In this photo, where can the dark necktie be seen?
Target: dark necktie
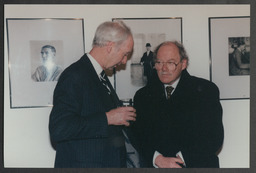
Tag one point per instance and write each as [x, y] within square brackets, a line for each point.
[105, 82]
[109, 89]
[169, 91]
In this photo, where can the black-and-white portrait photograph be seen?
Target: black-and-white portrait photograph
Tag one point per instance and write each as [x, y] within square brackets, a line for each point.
[230, 55]
[239, 56]
[46, 62]
[38, 53]
[136, 73]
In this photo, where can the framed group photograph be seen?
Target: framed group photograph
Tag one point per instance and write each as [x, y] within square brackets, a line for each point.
[148, 33]
[230, 56]
[38, 51]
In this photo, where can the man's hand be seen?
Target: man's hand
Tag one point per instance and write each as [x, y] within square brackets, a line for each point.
[168, 162]
[121, 116]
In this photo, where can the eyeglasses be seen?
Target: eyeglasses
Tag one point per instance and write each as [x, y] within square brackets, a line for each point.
[169, 65]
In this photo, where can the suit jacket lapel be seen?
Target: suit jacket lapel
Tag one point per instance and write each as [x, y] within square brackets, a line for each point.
[183, 85]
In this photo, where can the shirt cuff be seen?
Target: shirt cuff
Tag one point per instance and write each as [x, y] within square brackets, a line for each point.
[154, 158]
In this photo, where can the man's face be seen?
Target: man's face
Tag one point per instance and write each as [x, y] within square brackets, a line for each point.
[148, 48]
[120, 53]
[47, 54]
[169, 53]
[242, 47]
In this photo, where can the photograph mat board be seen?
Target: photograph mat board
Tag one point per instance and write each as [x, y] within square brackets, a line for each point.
[32, 34]
[221, 29]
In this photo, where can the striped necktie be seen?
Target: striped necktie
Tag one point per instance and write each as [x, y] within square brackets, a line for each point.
[103, 79]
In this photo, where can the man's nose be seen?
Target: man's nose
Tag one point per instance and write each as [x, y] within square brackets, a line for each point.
[43, 55]
[164, 67]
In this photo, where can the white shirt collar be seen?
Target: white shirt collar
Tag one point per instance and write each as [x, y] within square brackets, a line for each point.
[95, 64]
[174, 85]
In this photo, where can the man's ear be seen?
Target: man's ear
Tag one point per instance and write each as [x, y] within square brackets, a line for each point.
[110, 46]
[184, 64]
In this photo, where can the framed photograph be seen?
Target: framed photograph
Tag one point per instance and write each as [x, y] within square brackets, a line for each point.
[148, 33]
[230, 56]
[38, 51]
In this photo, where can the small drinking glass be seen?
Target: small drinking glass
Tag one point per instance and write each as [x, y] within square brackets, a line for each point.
[126, 102]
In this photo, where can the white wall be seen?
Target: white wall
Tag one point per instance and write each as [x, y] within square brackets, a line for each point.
[26, 136]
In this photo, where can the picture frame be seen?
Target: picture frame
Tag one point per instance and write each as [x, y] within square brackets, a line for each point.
[30, 49]
[134, 74]
[229, 39]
